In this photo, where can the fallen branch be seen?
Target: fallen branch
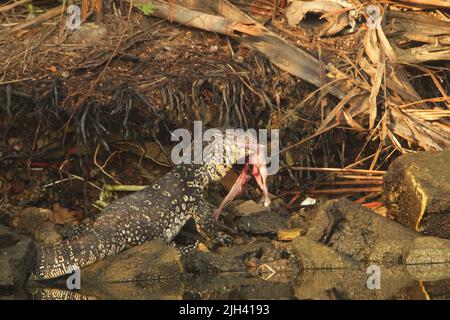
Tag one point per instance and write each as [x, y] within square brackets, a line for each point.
[425, 53]
[13, 5]
[39, 19]
[344, 190]
[337, 170]
[433, 3]
[232, 22]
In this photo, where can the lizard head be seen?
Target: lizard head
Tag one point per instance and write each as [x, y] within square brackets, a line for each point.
[235, 147]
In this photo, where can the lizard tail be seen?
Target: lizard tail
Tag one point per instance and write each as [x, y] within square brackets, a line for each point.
[63, 258]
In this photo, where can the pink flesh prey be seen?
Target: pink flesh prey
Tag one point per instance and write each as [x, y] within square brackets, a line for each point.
[259, 171]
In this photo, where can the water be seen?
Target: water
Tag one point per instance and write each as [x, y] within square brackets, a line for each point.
[419, 282]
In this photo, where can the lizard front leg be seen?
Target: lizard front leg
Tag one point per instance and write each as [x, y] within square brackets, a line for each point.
[203, 214]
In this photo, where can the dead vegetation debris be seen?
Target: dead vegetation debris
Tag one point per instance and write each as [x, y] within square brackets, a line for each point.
[350, 102]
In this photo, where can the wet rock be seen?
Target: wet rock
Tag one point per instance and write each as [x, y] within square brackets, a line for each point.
[351, 283]
[324, 223]
[362, 235]
[36, 222]
[151, 261]
[17, 257]
[417, 192]
[238, 258]
[149, 271]
[235, 286]
[298, 220]
[393, 281]
[262, 224]
[356, 232]
[389, 252]
[429, 272]
[317, 284]
[428, 250]
[314, 255]
[250, 207]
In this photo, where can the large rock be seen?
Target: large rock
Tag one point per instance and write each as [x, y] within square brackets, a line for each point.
[239, 258]
[151, 261]
[36, 222]
[262, 224]
[417, 192]
[351, 283]
[427, 250]
[314, 255]
[364, 236]
[17, 257]
[356, 232]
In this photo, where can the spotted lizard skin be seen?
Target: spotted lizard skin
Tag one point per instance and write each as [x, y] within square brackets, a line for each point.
[156, 212]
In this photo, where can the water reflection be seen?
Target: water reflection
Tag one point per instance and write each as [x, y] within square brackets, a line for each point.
[402, 282]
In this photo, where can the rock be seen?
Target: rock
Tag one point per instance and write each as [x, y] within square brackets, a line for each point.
[364, 236]
[234, 286]
[298, 220]
[417, 192]
[314, 255]
[238, 258]
[250, 207]
[389, 252]
[149, 271]
[5, 217]
[428, 250]
[324, 223]
[394, 280]
[288, 234]
[262, 224]
[429, 272]
[17, 258]
[317, 284]
[356, 232]
[36, 222]
[351, 283]
[150, 261]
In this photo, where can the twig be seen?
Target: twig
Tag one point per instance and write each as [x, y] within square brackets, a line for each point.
[10, 6]
[434, 3]
[344, 190]
[337, 170]
[71, 177]
[102, 167]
